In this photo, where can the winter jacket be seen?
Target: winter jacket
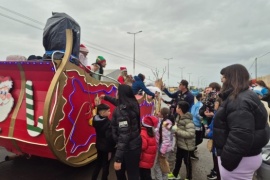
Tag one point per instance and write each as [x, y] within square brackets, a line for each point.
[167, 137]
[185, 132]
[126, 130]
[149, 150]
[139, 85]
[104, 141]
[179, 96]
[240, 128]
[195, 113]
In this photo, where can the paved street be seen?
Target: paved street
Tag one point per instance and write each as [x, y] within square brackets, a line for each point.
[41, 168]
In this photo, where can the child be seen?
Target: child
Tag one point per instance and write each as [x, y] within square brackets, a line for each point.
[104, 142]
[164, 138]
[149, 146]
[185, 135]
[198, 124]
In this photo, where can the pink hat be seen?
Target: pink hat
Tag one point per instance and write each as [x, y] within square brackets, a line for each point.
[123, 68]
[83, 48]
[150, 121]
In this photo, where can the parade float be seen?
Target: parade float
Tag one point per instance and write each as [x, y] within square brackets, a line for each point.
[46, 105]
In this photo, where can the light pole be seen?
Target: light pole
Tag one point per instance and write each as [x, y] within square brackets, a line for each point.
[181, 72]
[168, 68]
[134, 50]
[189, 77]
[256, 61]
[199, 80]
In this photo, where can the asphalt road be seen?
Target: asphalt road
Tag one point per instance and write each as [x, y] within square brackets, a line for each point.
[37, 168]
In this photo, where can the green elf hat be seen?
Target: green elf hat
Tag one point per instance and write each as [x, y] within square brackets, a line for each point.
[100, 59]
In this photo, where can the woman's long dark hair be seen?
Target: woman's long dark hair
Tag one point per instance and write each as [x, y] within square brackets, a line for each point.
[126, 97]
[236, 79]
[150, 131]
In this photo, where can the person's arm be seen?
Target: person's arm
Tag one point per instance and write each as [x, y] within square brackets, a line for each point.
[147, 91]
[171, 95]
[144, 143]
[112, 100]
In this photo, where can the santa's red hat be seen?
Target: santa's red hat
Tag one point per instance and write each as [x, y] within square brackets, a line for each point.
[123, 69]
[150, 121]
[83, 48]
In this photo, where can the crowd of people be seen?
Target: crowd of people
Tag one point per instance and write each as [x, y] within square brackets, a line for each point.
[233, 117]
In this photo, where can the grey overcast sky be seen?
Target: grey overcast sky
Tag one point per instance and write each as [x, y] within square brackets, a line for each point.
[202, 36]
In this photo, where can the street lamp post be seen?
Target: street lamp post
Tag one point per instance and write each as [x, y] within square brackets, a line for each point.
[181, 72]
[134, 50]
[168, 68]
[189, 77]
[256, 61]
[199, 80]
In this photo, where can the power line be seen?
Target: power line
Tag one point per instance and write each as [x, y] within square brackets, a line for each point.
[21, 15]
[20, 21]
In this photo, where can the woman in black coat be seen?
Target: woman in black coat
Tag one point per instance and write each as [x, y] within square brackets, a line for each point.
[126, 133]
[240, 126]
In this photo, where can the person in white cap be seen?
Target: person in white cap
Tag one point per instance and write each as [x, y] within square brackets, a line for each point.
[83, 55]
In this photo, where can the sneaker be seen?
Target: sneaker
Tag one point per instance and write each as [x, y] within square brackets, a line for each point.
[194, 158]
[171, 176]
[212, 175]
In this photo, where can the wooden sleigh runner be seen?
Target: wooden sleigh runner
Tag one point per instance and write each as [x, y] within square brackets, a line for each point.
[46, 107]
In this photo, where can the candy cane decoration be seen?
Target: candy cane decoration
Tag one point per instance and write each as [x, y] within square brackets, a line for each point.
[31, 128]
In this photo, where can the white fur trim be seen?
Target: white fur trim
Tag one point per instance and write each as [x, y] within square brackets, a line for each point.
[6, 84]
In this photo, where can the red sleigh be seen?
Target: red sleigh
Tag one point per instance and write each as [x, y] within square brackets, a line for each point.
[52, 103]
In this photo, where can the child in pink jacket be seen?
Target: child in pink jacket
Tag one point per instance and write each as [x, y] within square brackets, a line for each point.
[164, 138]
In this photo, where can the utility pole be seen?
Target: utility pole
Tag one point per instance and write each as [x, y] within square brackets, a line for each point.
[134, 50]
[189, 77]
[168, 68]
[181, 72]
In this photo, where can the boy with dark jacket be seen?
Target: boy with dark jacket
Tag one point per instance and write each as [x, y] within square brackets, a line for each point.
[104, 142]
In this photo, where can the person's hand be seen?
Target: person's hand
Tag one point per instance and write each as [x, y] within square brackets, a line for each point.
[174, 128]
[102, 96]
[207, 131]
[163, 87]
[109, 156]
[208, 114]
[117, 166]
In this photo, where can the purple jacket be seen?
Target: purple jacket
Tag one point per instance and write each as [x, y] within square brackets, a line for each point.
[167, 137]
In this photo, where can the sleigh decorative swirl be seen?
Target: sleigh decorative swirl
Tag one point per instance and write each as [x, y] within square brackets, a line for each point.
[45, 107]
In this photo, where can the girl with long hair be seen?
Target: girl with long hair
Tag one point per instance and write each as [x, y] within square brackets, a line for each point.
[240, 126]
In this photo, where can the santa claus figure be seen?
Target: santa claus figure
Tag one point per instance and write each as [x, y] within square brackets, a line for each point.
[6, 99]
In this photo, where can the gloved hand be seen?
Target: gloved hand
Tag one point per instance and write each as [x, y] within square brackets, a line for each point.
[174, 128]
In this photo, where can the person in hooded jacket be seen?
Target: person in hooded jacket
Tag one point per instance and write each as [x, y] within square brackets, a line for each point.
[126, 128]
[240, 126]
[104, 143]
[138, 85]
[149, 146]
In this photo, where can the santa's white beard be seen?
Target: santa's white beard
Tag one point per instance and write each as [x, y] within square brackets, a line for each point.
[5, 108]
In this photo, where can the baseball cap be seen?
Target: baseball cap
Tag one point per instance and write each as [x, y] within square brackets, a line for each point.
[184, 82]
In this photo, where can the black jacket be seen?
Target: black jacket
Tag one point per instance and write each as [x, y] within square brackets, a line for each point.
[126, 130]
[104, 140]
[240, 128]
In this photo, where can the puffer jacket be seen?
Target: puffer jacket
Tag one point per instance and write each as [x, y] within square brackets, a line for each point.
[167, 137]
[149, 150]
[240, 128]
[126, 130]
[104, 141]
[185, 132]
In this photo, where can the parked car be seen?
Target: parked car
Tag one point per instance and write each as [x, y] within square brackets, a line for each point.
[263, 173]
